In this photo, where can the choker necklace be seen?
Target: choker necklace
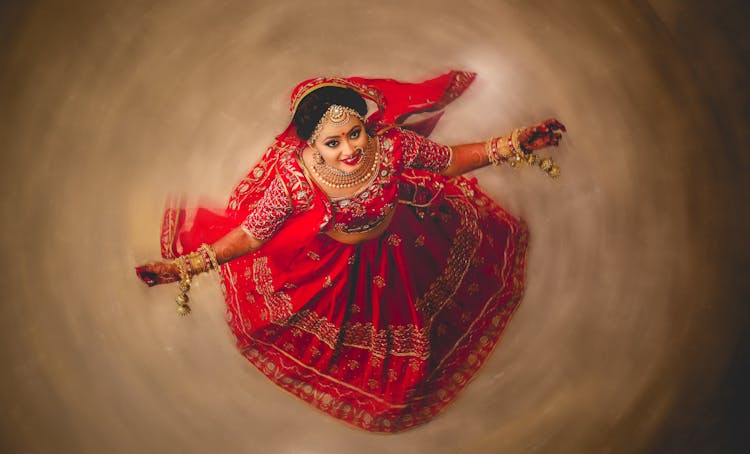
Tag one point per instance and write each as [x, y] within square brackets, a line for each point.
[337, 178]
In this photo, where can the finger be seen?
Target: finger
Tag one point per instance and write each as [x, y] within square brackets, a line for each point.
[551, 124]
[147, 277]
[557, 125]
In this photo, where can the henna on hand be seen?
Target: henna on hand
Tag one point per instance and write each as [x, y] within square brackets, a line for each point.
[545, 134]
[155, 273]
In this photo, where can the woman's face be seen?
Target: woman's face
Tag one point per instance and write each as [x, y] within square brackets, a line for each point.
[342, 146]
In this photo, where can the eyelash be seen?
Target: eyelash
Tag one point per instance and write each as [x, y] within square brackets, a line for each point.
[335, 143]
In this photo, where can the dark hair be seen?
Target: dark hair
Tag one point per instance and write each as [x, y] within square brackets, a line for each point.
[314, 105]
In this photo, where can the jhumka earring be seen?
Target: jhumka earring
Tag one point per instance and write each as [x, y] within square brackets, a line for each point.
[318, 158]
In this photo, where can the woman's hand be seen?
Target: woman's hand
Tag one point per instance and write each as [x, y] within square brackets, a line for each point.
[155, 273]
[545, 134]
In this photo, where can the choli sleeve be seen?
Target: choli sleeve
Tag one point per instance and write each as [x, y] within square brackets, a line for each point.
[269, 213]
[422, 153]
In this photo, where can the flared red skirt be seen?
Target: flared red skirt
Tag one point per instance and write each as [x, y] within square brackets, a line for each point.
[384, 334]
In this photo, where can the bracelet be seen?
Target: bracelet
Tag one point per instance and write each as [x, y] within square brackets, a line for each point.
[209, 256]
[199, 261]
[493, 152]
[517, 155]
[183, 287]
[488, 149]
[450, 162]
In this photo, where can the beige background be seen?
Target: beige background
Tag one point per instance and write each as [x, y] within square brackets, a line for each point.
[631, 338]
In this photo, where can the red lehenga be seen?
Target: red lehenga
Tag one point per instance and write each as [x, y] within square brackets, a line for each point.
[385, 333]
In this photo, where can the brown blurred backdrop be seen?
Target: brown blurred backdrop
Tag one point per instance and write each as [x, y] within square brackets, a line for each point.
[633, 335]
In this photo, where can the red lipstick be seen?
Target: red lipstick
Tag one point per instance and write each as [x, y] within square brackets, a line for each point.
[353, 160]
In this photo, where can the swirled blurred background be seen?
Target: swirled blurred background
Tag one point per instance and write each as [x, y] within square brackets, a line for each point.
[632, 337]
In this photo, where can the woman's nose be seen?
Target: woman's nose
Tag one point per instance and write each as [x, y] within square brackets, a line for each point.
[348, 147]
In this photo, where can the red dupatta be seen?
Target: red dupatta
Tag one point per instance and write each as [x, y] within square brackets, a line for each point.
[395, 101]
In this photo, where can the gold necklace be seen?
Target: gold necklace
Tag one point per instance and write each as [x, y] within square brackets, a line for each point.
[336, 178]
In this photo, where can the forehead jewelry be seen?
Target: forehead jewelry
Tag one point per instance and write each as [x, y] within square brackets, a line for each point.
[337, 116]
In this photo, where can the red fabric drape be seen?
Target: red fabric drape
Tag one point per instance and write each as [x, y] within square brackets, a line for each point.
[395, 100]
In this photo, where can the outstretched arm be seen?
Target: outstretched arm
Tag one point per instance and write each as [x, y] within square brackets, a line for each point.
[472, 156]
[261, 224]
[232, 245]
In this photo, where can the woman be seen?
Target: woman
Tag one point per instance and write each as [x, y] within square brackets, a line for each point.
[361, 272]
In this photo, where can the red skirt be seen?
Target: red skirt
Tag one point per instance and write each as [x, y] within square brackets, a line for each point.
[384, 334]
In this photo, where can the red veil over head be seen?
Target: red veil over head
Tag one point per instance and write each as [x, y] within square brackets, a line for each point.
[395, 102]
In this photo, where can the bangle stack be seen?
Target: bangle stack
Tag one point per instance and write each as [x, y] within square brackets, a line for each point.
[509, 149]
[199, 261]
[492, 147]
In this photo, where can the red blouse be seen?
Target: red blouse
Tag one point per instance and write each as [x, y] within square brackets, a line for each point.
[399, 149]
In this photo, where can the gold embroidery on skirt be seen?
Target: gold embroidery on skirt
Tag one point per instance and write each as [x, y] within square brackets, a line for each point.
[378, 281]
[279, 304]
[401, 340]
[465, 245]
[394, 239]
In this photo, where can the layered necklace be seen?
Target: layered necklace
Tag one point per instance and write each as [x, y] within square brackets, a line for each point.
[336, 178]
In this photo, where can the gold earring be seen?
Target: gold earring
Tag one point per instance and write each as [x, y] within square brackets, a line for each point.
[318, 158]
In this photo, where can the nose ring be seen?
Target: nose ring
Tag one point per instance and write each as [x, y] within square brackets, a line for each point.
[359, 149]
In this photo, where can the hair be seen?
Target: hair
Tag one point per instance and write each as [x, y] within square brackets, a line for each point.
[312, 107]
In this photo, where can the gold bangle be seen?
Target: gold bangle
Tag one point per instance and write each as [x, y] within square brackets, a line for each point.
[493, 155]
[503, 148]
[514, 154]
[488, 152]
[450, 161]
[197, 263]
[210, 252]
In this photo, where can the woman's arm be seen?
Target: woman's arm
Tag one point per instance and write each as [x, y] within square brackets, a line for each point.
[268, 216]
[235, 244]
[231, 246]
[472, 156]
[466, 157]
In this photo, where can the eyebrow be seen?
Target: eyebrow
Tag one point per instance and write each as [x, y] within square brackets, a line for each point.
[336, 136]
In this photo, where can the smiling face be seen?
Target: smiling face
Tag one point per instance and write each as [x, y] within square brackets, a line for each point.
[342, 146]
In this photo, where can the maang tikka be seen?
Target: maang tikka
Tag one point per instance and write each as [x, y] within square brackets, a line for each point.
[337, 116]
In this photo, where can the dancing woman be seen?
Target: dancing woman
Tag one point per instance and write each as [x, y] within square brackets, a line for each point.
[361, 272]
